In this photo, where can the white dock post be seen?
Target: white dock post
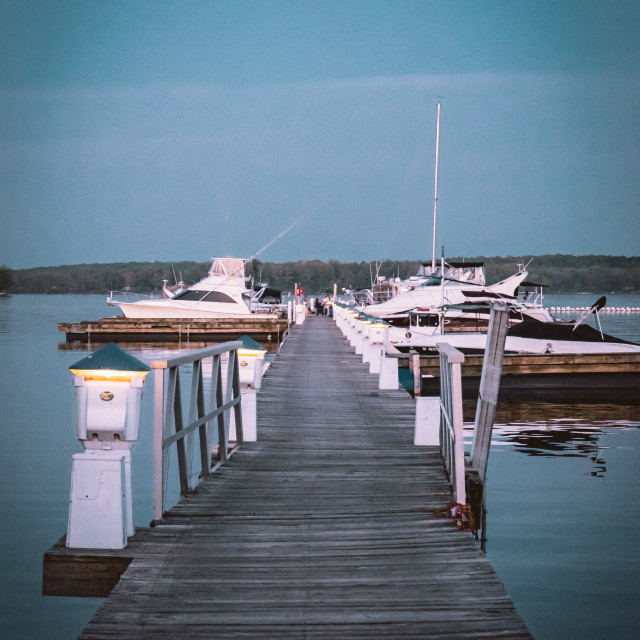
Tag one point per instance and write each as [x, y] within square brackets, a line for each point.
[414, 367]
[251, 367]
[99, 507]
[249, 414]
[388, 373]
[353, 321]
[361, 327]
[427, 422]
[366, 343]
[301, 311]
[378, 334]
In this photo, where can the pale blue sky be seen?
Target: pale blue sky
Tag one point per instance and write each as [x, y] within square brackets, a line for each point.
[181, 130]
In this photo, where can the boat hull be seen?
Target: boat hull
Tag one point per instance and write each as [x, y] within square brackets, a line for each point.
[183, 311]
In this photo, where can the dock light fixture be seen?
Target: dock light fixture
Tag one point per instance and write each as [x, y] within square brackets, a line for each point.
[109, 385]
[108, 389]
[251, 359]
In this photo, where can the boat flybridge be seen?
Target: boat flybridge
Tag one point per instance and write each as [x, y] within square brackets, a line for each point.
[222, 294]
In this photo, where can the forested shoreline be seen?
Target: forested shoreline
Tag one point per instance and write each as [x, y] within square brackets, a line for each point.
[561, 273]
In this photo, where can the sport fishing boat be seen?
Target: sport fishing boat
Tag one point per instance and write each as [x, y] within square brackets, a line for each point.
[222, 294]
[530, 336]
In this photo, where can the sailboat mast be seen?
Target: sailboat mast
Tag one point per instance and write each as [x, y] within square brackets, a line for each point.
[435, 196]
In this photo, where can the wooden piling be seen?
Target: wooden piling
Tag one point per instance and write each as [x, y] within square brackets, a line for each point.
[489, 388]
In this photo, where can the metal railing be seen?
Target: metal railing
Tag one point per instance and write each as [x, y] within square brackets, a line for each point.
[451, 425]
[205, 414]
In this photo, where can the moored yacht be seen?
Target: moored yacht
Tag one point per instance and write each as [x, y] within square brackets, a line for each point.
[530, 336]
[438, 291]
[222, 294]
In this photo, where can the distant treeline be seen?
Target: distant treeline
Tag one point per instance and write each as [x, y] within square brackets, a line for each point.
[562, 274]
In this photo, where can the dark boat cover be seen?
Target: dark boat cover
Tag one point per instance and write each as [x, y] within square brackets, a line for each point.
[532, 328]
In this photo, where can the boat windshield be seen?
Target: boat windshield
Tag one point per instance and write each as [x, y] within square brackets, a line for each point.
[204, 296]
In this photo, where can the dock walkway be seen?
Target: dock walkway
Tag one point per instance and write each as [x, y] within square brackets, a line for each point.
[322, 529]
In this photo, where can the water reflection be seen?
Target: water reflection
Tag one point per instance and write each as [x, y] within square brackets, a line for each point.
[570, 430]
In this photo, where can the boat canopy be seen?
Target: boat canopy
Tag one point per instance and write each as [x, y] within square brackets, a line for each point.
[461, 271]
[228, 267]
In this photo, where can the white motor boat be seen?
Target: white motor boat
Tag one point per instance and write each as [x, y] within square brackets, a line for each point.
[530, 336]
[472, 316]
[222, 294]
[438, 291]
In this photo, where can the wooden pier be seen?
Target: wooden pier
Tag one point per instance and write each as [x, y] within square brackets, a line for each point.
[121, 329]
[324, 528]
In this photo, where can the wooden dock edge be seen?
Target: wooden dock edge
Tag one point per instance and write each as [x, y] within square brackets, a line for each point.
[123, 329]
[87, 573]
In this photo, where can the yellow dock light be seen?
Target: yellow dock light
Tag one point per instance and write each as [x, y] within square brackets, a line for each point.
[109, 385]
[251, 360]
[378, 331]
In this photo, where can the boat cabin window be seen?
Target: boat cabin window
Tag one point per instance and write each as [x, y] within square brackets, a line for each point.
[217, 296]
[427, 320]
[209, 296]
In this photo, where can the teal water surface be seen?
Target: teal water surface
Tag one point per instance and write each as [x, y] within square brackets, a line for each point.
[563, 487]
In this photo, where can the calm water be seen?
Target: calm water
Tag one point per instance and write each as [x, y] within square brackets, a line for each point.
[563, 493]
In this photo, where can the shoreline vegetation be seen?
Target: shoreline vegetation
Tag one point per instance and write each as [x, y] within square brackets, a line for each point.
[561, 273]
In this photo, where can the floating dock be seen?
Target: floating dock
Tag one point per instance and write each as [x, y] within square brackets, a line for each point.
[121, 329]
[326, 527]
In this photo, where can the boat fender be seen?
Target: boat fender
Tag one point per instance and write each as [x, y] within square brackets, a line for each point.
[408, 334]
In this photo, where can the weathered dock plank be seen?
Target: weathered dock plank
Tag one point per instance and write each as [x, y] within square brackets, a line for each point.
[322, 529]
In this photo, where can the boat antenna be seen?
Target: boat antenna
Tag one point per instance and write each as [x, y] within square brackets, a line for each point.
[266, 246]
[435, 196]
[275, 239]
